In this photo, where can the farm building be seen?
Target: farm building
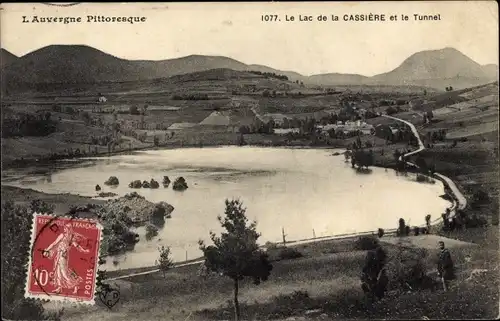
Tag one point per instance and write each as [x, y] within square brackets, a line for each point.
[181, 126]
[349, 127]
[232, 120]
[217, 118]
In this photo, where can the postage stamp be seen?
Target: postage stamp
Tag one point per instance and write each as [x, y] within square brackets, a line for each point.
[64, 258]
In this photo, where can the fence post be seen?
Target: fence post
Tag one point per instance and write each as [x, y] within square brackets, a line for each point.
[284, 236]
[314, 234]
[186, 255]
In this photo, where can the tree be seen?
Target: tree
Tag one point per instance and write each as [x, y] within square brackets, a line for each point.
[235, 252]
[165, 263]
[16, 222]
[373, 277]
[134, 110]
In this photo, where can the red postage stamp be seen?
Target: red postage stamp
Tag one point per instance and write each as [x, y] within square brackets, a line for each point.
[64, 257]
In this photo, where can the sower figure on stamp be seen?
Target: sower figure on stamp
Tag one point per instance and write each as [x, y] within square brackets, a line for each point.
[445, 266]
[64, 276]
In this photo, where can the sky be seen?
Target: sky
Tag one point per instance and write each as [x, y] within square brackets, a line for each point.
[236, 30]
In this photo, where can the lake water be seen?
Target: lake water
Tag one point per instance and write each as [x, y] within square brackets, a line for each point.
[304, 191]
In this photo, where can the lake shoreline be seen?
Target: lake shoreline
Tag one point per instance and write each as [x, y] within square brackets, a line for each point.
[30, 194]
[46, 159]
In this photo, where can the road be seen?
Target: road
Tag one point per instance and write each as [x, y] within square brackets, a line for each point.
[461, 204]
[461, 200]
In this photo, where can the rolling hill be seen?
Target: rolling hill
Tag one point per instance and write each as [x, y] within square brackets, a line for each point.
[6, 58]
[79, 64]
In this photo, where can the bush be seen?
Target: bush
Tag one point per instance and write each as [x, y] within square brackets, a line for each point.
[151, 231]
[409, 268]
[166, 181]
[366, 243]
[288, 253]
[416, 230]
[391, 110]
[154, 184]
[112, 180]
[380, 232]
[16, 222]
[135, 184]
[180, 184]
[295, 299]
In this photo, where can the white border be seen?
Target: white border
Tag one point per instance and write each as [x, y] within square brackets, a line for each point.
[61, 298]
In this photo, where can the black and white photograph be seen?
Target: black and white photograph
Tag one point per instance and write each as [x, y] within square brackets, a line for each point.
[198, 161]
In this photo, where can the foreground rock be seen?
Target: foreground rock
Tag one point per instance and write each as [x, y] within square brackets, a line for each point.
[166, 181]
[139, 210]
[112, 180]
[180, 184]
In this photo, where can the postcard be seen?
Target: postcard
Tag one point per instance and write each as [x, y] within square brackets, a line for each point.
[250, 160]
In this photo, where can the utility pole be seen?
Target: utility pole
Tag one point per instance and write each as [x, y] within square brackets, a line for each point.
[284, 236]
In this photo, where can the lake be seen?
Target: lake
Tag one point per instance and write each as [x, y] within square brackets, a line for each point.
[304, 191]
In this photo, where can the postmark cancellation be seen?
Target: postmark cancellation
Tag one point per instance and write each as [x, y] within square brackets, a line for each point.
[63, 259]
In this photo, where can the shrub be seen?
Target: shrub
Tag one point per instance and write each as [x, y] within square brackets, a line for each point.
[409, 268]
[180, 184]
[135, 184]
[401, 228]
[288, 253]
[112, 180]
[416, 230]
[380, 232]
[295, 299]
[151, 231]
[366, 243]
[16, 222]
[154, 184]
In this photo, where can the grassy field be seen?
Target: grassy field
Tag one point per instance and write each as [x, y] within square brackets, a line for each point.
[325, 278]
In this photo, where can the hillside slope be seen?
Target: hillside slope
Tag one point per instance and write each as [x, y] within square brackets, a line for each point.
[438, 68]
[79, 64]
[6, 58]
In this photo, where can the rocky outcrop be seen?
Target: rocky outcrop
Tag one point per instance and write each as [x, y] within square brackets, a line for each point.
[161, 211]
[180, 184]
[112, 180]
[154, 184]
[107, 194]
[135, 184]
[145, 184]
[139, 210]
[166, 181]
[97, 188]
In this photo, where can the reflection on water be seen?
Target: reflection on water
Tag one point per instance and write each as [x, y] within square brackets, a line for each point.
[300, 190]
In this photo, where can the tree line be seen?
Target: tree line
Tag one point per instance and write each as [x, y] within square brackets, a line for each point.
[270, 74]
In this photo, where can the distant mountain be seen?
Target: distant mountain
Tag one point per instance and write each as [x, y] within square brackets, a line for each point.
[76, 64]
[437, 68]
[491, 70]
[6, 58]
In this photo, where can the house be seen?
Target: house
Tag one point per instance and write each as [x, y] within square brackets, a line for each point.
[349, 127]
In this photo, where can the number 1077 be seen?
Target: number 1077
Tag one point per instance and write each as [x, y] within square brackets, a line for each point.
[269, 17]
